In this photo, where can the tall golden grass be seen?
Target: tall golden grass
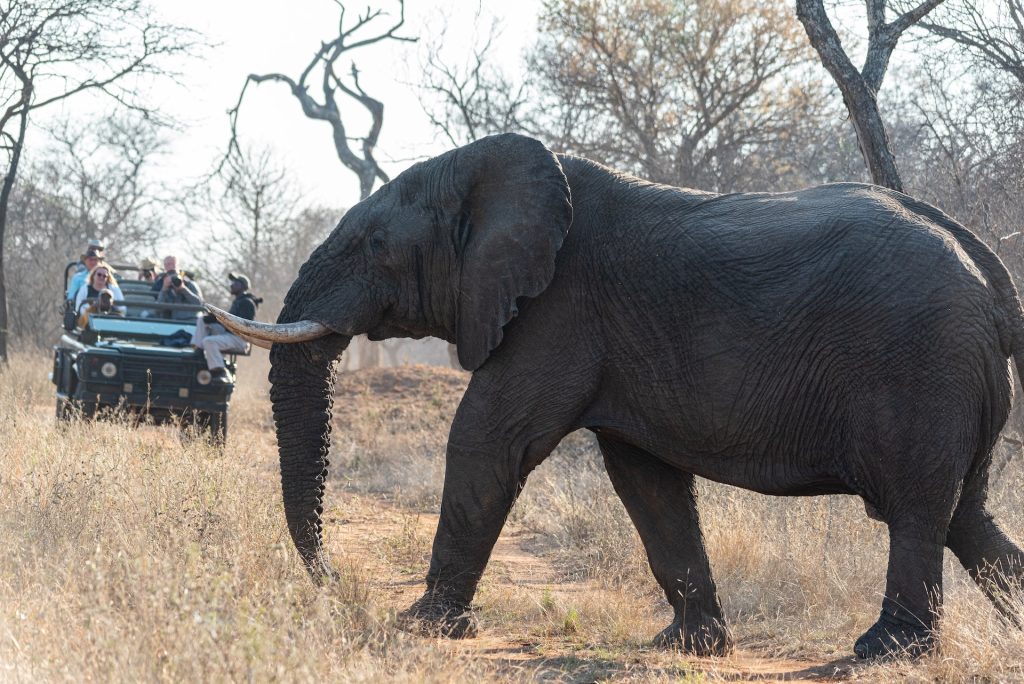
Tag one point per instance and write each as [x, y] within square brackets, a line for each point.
[129, 554]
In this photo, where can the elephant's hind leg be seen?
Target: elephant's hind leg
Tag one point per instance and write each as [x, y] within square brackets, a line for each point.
[661, 502]
[994, 562]
[913, 592]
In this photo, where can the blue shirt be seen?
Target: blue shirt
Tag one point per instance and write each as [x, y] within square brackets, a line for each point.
[76, 282]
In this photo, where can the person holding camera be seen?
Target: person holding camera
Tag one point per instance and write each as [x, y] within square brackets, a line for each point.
[214, 339]
[177, 288]
[104, 305]
[164, 280]
[147, 270]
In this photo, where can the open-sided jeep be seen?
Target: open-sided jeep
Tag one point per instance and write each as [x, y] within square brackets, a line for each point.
[140, 363]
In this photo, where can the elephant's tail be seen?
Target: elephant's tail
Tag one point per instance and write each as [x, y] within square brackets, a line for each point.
[1009, 313]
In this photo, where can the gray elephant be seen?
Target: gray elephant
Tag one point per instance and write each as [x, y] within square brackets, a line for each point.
[843, 339]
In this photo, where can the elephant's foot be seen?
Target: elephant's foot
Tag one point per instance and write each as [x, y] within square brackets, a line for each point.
[888, 638]
[434, 616]
[708, 638]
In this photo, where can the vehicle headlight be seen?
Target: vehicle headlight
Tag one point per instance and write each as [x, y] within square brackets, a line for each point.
[108, 369]
[204, 377]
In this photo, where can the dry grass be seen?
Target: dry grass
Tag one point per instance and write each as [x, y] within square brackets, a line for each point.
[129, 555]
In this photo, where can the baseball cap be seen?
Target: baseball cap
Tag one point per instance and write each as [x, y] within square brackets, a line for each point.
[243, 279]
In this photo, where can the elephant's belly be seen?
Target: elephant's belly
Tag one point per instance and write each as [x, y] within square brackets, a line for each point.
[789, 473]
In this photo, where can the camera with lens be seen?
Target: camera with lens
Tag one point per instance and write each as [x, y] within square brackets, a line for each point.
[176, 280]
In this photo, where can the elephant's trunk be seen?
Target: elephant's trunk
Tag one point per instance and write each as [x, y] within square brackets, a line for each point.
[302, 392]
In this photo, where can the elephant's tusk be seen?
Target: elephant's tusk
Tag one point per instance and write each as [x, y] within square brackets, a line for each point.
[285, 333]
[256, 341]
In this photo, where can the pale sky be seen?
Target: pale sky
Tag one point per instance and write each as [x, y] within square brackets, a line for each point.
[260, 36]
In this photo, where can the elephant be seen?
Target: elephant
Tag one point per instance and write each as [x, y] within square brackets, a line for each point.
[841, 339]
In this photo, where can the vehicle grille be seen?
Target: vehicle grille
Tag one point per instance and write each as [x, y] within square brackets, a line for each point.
[143, 374]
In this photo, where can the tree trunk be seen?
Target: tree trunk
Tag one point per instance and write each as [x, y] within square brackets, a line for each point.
[871, 135]
[858, 89]
[5, 200]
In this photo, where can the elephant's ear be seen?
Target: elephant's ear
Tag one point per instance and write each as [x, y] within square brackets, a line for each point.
[515, 214]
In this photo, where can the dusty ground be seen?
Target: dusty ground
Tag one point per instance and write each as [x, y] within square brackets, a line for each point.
[366, 533]
[129, 554]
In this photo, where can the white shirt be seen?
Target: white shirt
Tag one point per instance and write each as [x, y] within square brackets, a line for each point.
[81, 304]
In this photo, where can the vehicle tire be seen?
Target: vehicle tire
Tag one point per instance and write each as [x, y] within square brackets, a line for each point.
[87, 409]
[70, 409]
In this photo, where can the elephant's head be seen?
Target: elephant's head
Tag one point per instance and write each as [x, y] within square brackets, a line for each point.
[445, 250]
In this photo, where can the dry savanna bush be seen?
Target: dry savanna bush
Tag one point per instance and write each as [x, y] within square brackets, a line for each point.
[130, 554]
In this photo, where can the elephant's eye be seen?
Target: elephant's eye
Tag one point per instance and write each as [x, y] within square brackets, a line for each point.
[378, 243]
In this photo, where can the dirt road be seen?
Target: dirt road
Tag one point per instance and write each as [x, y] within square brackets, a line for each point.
[390, 548]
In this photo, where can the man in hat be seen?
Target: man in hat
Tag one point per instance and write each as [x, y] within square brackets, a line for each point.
[92, 245]
[147, 270]
[89, 261]
[214, 339]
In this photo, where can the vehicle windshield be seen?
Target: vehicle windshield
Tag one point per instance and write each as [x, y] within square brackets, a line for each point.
[116, 326]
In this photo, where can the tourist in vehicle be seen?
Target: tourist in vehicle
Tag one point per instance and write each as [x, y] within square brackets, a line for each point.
[147, 270]
[176, 290]
[104, 305]
[214, 339]
[101, 277]
[164, 280]
[93, 245]
[89, 261]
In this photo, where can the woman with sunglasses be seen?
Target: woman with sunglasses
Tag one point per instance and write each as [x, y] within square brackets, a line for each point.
[101, 277]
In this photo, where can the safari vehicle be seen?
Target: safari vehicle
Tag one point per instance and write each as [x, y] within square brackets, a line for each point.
[140, 363]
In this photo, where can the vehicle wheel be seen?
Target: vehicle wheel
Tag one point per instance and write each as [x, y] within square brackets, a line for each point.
[87, 409]
[69, 409]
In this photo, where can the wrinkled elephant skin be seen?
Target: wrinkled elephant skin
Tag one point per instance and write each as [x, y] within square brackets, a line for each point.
[843, 339]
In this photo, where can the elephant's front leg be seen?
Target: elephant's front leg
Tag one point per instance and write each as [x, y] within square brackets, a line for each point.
[480, 487]
[661, 501]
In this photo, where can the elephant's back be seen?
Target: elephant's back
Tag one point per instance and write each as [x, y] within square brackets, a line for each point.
[766, 299]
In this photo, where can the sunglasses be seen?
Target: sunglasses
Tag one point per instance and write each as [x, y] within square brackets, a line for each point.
[100, 274]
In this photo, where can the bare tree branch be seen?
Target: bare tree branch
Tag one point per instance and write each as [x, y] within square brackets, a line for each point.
[860, 88]
[348, 39]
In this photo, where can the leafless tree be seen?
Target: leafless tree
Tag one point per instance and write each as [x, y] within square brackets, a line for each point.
[994, 32]
[93, 180]
[468, 96]
[323, 69]
[680, 93]
[51, 50]
[264, 229]
[255, 205]
[860, 86]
